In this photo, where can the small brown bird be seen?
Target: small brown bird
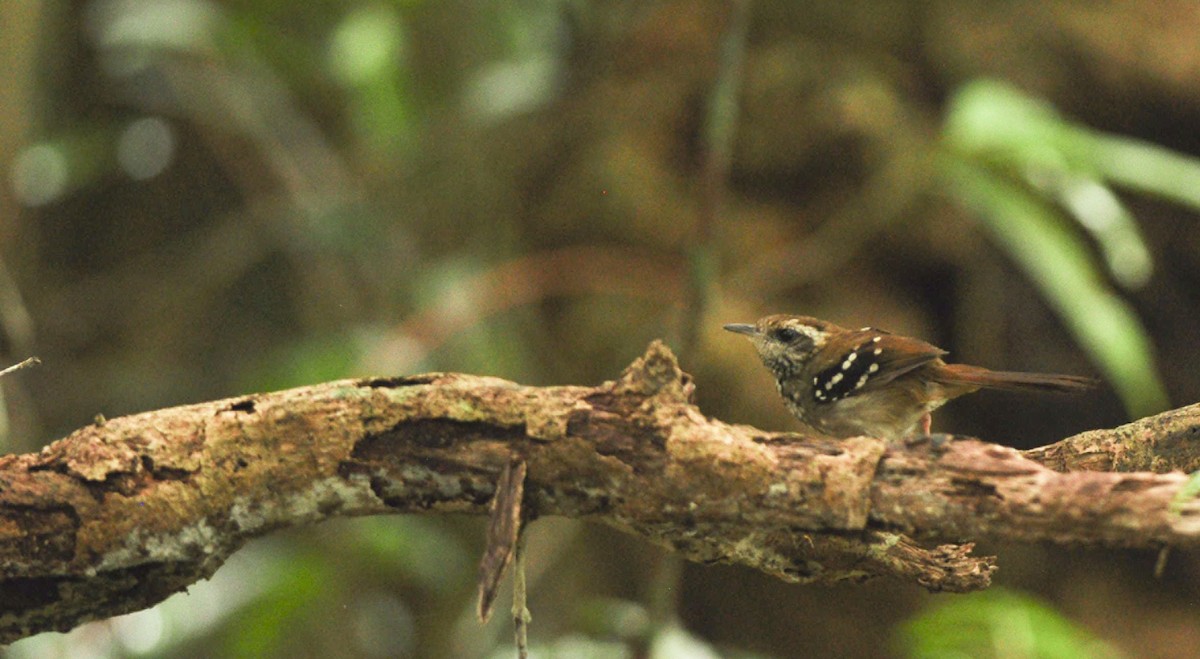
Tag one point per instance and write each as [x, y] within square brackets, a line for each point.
[845, 383]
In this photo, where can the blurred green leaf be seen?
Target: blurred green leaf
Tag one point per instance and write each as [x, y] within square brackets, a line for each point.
[1098, 209]
[1185, 495]
[421, 548]
[311, 360]
[613, 618]
[263, 626]
[1025, 170]
[997, 623]
[675, 642]
[366, 54]
[997, 119]
[995, 123]
[1145, 167]
[1058, 261]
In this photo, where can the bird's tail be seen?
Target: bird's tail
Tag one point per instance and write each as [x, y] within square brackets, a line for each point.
[976, 376]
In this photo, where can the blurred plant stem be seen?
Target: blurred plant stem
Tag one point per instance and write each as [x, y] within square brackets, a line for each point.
[718, 136]
[520, 608]
[719, 131]
[664, 590]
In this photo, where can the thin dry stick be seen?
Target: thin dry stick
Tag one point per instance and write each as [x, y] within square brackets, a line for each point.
[32, 361]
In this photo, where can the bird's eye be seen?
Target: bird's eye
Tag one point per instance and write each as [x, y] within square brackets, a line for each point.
[786, 334]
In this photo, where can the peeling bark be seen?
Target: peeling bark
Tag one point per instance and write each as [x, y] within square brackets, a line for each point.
[120, 514]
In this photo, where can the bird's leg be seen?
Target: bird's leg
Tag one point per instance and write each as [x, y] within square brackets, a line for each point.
[923, 436]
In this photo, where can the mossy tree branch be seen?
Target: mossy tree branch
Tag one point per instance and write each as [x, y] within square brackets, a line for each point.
[122, 513]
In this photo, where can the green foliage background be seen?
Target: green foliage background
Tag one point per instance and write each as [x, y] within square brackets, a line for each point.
[205, 199]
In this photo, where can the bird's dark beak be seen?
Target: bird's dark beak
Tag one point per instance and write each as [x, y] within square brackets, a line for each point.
[742, 328]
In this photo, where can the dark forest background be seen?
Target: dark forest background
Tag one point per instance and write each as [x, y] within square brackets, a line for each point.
[202, 199]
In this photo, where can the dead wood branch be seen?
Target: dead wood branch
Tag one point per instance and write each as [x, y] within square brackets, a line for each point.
[121, 514]
[1161, 443]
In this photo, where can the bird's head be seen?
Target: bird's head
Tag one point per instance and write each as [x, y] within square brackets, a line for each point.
[785, 343]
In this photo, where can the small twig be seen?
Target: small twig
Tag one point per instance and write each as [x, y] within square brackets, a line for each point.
[32, 361]
[520, 611]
